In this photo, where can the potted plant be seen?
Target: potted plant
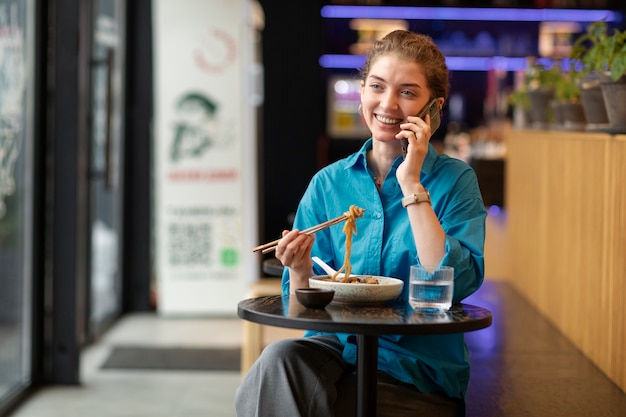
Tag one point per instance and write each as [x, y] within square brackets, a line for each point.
[536, 93]
[602, 55]
[585, 52]
[613, 80]
[567, 105]
[518, 100]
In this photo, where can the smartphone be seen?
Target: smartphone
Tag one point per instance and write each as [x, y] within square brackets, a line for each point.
[431, 108]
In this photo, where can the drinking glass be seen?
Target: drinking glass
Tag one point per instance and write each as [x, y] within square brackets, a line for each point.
[431, 288]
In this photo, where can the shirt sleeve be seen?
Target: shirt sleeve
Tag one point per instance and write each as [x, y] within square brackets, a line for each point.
[462, 214]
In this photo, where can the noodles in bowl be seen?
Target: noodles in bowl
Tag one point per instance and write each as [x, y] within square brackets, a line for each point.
[356, 289]
[385, 289]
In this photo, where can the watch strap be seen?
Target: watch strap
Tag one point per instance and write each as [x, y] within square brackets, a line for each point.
[416, 199]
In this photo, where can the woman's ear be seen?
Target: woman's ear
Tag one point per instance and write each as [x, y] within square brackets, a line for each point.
[440, 101]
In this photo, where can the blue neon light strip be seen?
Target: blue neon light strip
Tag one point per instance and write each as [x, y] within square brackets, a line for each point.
[470, 13]
[455, 63]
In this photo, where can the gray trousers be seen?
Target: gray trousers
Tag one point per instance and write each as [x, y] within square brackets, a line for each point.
[306, 377]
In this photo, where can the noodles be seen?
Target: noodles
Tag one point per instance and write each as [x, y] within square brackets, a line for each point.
[349, 228]
[354, 279]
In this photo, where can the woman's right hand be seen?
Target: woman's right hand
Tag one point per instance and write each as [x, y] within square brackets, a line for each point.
[294, 251]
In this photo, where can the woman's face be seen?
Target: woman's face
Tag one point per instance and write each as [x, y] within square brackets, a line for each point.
[394, 89]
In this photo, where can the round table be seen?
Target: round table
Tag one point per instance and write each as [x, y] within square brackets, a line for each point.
[367, 322]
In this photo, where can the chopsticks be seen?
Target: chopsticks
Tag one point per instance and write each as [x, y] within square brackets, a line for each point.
[270, 246]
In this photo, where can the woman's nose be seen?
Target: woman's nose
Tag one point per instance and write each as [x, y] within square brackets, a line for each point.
[389, 101]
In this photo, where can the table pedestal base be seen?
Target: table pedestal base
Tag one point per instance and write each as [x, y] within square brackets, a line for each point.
[367, 375]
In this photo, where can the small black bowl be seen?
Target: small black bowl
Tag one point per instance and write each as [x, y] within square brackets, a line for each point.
[314, 297]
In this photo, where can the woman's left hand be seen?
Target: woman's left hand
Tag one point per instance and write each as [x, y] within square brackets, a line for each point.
[417, 132]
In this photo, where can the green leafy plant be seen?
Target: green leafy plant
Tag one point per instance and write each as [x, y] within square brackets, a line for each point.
[519, 98]
[537, 77]
[599, 51]
[567, 87]
[540, 77]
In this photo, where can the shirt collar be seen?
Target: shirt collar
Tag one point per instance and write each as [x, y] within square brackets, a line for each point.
[359, 158]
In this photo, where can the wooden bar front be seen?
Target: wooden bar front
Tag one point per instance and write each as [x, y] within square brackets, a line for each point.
[566, 202]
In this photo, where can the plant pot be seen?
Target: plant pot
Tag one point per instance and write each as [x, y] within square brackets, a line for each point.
[540, 111]
[573, 116]
[614, 93]
[555, 108]
[593, 105]
[569, 115]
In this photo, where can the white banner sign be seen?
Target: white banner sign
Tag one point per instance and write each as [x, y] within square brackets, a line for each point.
[205, 156]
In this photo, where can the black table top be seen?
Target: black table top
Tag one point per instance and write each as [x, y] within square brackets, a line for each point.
[392, 318]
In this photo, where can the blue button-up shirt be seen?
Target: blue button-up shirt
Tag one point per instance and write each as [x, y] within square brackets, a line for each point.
[384, 246]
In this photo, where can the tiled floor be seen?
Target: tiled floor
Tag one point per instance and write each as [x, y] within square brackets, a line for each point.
[521, 367]
[114, 393]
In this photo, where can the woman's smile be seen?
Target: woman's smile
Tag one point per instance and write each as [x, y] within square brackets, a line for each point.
[387, 120]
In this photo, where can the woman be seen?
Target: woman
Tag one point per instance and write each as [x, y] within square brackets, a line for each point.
[423, 208]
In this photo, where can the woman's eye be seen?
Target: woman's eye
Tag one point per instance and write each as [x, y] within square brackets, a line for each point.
[375, 86]
[407, 93]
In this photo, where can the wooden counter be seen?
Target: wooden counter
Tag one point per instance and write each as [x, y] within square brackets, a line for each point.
[566, 200]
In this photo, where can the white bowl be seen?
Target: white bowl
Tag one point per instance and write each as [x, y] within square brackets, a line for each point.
[359, 293]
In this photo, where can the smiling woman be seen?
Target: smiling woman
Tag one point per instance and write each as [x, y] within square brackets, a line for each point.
[401, 74]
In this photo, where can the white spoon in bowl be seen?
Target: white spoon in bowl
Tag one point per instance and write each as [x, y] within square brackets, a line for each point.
[327, 268]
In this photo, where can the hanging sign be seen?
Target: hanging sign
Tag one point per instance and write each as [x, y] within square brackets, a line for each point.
[205, 156]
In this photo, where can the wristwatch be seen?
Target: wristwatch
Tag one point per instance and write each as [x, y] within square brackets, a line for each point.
[416, 198]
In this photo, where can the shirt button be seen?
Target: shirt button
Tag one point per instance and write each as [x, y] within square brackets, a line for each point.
[379, 216]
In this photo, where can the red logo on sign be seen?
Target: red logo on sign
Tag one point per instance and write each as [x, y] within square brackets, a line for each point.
[217, 52]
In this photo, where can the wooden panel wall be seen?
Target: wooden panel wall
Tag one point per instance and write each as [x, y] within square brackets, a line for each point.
[618, 357]
[566, 200]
